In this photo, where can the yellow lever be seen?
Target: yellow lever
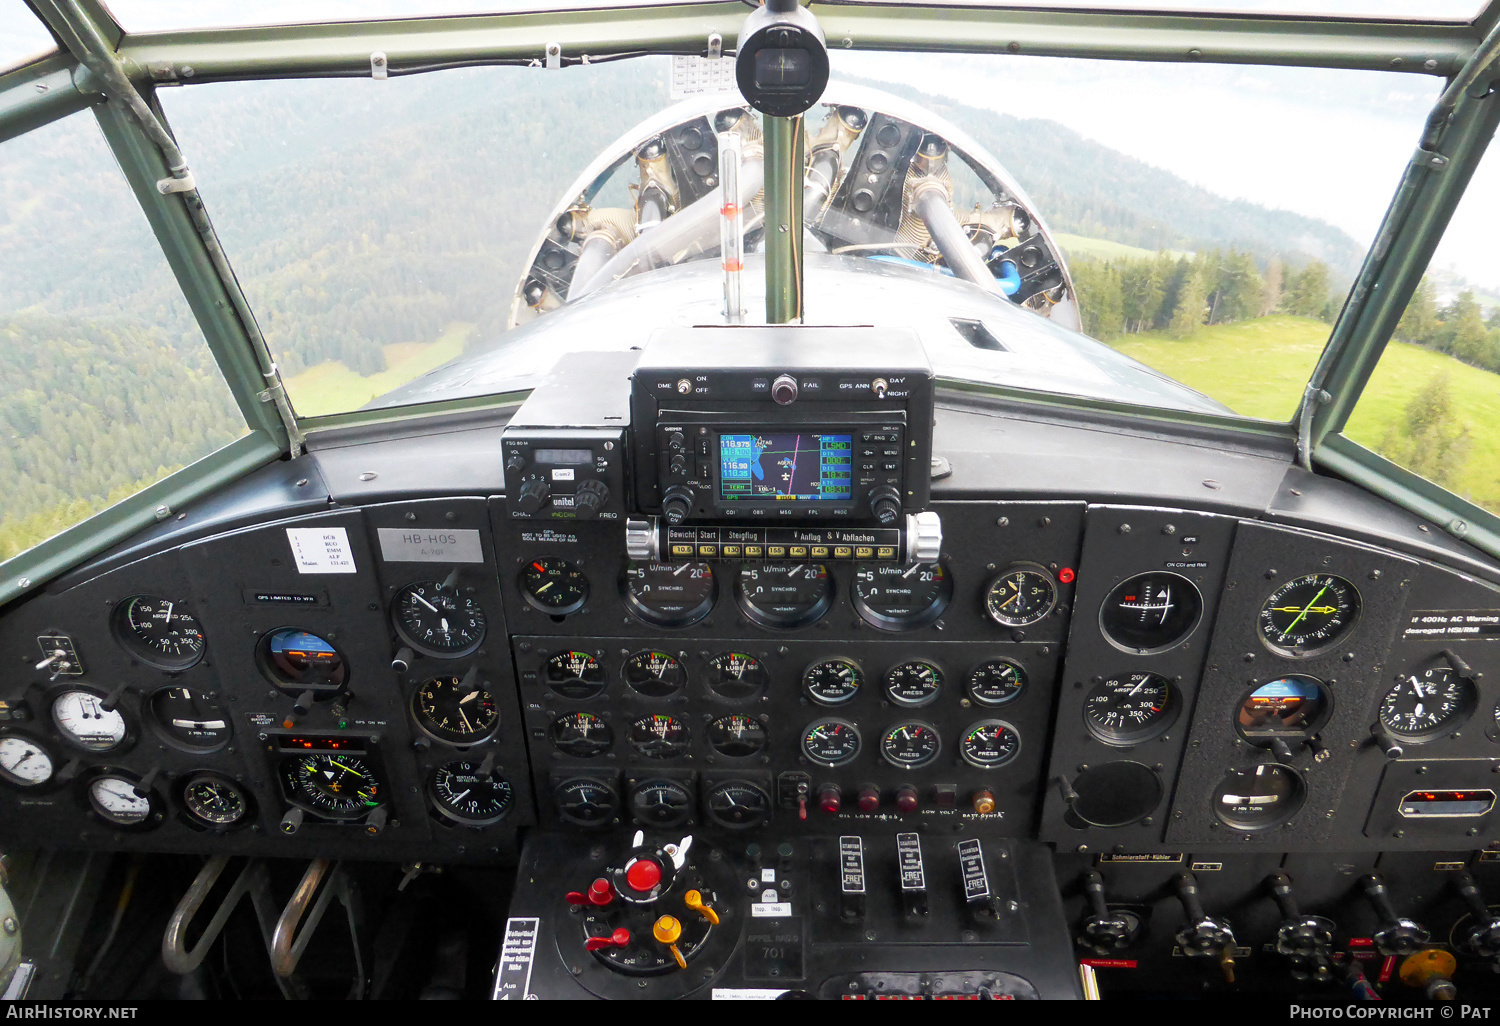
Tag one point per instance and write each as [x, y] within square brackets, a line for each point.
[694, 901]
[667, 930]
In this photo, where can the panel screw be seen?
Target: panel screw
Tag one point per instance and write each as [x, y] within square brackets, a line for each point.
[1124, 528]
[368, 475]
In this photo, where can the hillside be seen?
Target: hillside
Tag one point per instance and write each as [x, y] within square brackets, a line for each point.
[1258, 368]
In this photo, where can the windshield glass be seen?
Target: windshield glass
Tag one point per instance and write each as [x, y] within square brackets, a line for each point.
[452, 234]
[22, 34]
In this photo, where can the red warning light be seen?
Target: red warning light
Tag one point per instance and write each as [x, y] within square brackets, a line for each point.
[1065, 575]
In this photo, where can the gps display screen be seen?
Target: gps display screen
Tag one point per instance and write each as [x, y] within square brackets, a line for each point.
[785, 466]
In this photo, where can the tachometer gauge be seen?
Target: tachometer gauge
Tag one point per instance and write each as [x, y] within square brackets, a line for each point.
[989, 744]
[1426, 705]
[297, 661]
[1308, 614]
[1130, 708]
[1151, 612]
[332, 784]
[159, 631]
[24, 762]
[82, 720]
[553, 585]
[188, 718]
[784, 595]
[669, 594]
[661, 803]
[739, 804]
[901, 598]
[585, 802]
[437, 621]
[915, 683]
[831, 742]
[462, 793]
[737, 676]
[213, 802]
[455, 710]
[997, 682]
[737, 736]
[575, 675]
[582, 735]
[910, 744]
[833, 681]
[654, 674]
[113, 798]
[1255, 799]
[660, 736]
[1294, 706]
[1023, 594]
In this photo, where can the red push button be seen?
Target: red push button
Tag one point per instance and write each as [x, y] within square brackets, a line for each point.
[906, 799]
[829, 799]
[600, 892]
[643, 874]
[869, 799]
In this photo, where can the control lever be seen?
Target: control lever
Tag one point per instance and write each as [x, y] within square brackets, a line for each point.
[1460, 667]
[143, 788]
[1204, 936]
[1396, 936]
[1482, 938]
[1306, 942]
[667, 930]
[1392, 748]
[450, 583]
[112, 700]
[619, 939]
[1104, 931]
[402, 661]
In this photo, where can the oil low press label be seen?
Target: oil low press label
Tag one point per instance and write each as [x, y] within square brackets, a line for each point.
[1478, 624]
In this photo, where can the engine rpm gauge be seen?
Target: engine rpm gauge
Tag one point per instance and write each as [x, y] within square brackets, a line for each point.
[739, 804]
[437, 621]
[910, 744]
[997, 682]
[1423, 706]
[1308, 614]
[1023, 594]
[24, 762]
[737, 676]
[159, 631]
[784, 595]
[654, 674]
[457, 710]
[575, 675]
[553, 585]
[901, 598]
[1151, 612]
[659, 736]
[915, 683]
[212, 801]
[464, 793]
[989, 744]
[1130, 708]
[737, 736]
[831, 742]
[582, 735]
[833, 681]
[82, 720]
[669, 594]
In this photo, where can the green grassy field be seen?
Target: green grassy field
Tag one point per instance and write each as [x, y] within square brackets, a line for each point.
[1103, 249]
[1258, 368]
[333, 388]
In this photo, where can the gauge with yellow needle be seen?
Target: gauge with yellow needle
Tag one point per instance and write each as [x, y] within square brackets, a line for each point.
[332, 784]
[1309, 614]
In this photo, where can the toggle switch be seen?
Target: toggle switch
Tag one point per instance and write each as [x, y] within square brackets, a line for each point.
[694, 900]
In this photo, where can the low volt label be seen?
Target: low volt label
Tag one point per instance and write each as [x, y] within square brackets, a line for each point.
[971, 865]
[909, 859]
[517, 953]
[852, 864]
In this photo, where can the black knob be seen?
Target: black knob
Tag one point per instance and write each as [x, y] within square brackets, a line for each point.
[1396, 936]
[885, 505]
[1482, 937]
[590, 498]
[784, 390]
[1105, 930]
[532, 494]
[403, 660]
[677, 504]
[675, 441]
[515, 462]
[678, 465]
[1387, 744]
[1203, 934]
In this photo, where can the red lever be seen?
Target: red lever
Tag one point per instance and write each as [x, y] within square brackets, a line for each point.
[619, 939]
[577, 898]
[600, 892]
[643, 874]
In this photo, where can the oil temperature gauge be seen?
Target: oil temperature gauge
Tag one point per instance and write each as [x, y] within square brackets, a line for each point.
[737, 676]
[582, 735]
[737, 736]
[659, 737]
[910, 744]
[990, 744]
[654, 674]
[575, 675]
